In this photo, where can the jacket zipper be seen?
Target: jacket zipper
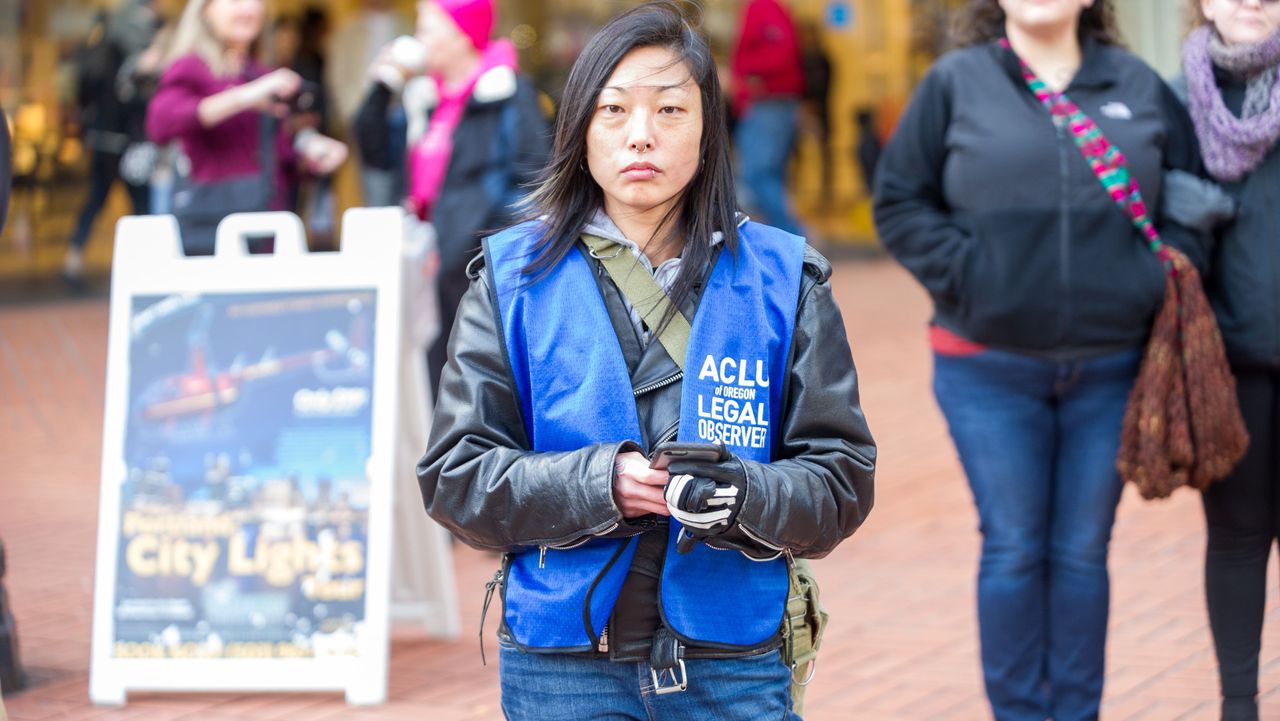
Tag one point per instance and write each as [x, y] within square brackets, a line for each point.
[659, 384]
[669, 435]
[1064, 245]
[542, 550]
[755, 537]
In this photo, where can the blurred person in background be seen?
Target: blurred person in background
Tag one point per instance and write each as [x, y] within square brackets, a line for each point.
[1232, 72]
[296, 43]
[223, 107]
[815, 116]
[869, 147]
[310, 64]
[160, 167]
[767, 84]
[353, 47]
[615, 581]
[1044, 296]
[477, 137]
[112, 92]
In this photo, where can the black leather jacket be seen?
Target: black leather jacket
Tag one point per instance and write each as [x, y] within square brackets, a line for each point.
[480, 480]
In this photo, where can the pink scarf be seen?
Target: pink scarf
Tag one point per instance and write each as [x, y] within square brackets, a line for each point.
[429, 157]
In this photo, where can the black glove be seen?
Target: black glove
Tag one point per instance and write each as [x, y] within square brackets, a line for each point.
[705, 497]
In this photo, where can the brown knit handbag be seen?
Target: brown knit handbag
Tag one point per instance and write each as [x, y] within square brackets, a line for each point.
[1182, 426]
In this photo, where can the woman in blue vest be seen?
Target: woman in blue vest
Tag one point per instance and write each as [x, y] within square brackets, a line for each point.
[628, 591]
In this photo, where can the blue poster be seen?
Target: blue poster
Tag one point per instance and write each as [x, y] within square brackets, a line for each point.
[244, 514]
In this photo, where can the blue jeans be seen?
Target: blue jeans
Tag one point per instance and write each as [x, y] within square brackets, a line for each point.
[1038, 441]
[559, 687]
[765, 136]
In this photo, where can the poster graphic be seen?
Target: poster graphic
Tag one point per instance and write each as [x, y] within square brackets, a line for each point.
[244, 514]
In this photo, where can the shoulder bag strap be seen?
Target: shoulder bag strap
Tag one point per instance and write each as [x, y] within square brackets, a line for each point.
[644, 293]
[1105, 159]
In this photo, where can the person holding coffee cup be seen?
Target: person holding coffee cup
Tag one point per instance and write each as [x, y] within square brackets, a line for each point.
[475, 135]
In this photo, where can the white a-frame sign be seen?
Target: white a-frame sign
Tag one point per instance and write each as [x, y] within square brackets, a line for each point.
[249, 438]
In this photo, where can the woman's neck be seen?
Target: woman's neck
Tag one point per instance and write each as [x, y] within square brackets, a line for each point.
[650, 229]
[1054, 55]
[456, 73]
[235, 58]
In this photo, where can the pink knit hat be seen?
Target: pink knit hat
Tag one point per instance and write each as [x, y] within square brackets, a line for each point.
[473, 17]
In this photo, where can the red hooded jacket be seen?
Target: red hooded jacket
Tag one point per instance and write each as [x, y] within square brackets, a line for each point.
[766, 61]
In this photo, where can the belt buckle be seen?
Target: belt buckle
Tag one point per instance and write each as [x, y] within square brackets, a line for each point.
[677, 674]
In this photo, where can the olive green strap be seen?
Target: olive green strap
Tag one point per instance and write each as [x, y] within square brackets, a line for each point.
[644, 294]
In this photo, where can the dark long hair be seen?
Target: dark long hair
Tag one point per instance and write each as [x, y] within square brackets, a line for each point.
[982, 21]
[568, 196]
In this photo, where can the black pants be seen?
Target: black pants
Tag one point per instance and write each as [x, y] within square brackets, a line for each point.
[451, 285]
[104, 170]
[1243, 514]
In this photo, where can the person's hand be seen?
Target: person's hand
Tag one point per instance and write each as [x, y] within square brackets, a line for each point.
[706, 497]
[637, 488]
[396, 62]
[267, 92]
[321, 154]
[151, 61]
[383, 64]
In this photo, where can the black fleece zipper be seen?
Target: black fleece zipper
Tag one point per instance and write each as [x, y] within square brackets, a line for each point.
[1064, 242]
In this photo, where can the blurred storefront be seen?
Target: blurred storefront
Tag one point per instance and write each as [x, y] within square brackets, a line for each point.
[877, 50]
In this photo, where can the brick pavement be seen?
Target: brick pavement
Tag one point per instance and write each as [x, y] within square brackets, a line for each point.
[901, 646]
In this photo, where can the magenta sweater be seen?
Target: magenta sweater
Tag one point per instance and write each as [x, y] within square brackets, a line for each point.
[226, 150]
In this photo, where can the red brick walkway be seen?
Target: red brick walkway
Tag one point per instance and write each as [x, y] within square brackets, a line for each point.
[901, 645]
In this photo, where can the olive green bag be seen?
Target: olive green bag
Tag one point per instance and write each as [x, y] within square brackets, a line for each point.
[802, 629]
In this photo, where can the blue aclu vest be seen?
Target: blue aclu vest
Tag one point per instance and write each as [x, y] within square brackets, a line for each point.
[575, 391]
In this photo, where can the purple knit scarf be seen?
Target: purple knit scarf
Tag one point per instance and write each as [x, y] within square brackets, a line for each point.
[1233, 146]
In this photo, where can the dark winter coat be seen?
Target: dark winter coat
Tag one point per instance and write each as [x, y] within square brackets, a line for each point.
[499, 148]
[992, 207]
[1244, 272]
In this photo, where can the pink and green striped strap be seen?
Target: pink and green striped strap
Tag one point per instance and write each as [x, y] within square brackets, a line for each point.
[1106, 160]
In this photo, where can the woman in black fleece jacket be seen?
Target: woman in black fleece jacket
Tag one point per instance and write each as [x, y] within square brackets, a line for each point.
[1044, 295]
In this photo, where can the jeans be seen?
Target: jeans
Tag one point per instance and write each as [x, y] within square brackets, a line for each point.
[381, 188]
[104, 170]
[765, 136]
[451, 285]
[1038, 441]
[559, 687]
[1243, 516]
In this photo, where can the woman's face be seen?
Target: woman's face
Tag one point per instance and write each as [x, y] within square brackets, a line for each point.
[235, 23]
[644, 140]
[441, 36]
[285, 41]
[1036, 17]
[1243, 22]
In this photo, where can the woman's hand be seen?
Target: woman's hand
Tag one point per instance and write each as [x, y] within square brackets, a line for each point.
[637, 488]
[399, 60]
[264, 94]
[269, 90]
[321, 154]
